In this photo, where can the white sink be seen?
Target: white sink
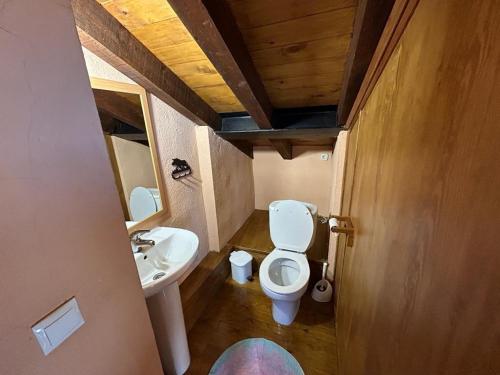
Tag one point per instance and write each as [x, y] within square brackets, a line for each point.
[160, 266]
[164, 263]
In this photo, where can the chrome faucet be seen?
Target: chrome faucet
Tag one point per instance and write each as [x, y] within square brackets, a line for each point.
[135, 237]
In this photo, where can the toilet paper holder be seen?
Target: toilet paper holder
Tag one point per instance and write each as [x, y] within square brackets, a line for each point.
[348, 230]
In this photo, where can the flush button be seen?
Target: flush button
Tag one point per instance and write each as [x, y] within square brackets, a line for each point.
[56, 327]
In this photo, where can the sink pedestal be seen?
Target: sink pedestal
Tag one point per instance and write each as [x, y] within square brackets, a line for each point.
[167, 318]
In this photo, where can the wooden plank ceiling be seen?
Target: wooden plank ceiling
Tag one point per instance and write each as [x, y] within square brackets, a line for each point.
[298, 47]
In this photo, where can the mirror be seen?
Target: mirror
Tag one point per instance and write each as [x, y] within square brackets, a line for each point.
[126, 125]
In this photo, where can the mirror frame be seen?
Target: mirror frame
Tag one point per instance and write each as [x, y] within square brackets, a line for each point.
[130, 88]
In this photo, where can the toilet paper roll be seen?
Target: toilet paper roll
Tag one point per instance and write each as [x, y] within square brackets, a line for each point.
[333, 223]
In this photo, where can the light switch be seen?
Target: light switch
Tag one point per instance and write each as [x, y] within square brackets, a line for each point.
[56, 327]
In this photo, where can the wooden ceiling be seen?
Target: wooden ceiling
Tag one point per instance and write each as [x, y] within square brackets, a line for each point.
[157, 26]
[299, 47]
[268, 58]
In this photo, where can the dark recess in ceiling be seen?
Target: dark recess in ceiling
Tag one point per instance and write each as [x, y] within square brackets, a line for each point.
[294, 118]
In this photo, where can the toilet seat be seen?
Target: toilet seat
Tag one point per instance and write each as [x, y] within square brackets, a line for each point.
[297, 285]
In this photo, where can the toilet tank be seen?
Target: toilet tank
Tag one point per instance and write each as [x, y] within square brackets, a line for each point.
[292, 225]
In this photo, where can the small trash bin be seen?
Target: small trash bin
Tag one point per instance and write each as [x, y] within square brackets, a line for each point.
[241, 266]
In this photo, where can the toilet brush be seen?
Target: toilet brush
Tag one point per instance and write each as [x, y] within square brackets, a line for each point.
[322, 291]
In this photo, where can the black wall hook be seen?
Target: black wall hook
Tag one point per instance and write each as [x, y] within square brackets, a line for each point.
[182, 169]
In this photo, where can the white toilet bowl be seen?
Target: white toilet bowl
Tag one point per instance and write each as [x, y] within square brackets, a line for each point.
[283, 277]
[284, 273]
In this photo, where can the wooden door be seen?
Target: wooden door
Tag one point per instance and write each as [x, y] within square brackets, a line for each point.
[419, 291]
[343, 251]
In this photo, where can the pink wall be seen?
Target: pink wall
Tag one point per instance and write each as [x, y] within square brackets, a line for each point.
[228, 186]
[306, 177]
[233, 186]
[61, 224]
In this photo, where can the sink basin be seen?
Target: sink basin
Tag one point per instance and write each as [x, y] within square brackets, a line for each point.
[164, 263]
[160, 267]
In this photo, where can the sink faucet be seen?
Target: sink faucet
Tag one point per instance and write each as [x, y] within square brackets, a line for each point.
[135, 237]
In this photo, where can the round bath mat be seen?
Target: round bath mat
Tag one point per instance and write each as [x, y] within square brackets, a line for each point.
[256, 357]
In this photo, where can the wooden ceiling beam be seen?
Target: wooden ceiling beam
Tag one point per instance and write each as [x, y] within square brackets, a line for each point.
[279, 134]
[102, 34]
[108, 122]
[120, 108]
[214, 28]
[371, 17]
[283, 147]
[132, 137]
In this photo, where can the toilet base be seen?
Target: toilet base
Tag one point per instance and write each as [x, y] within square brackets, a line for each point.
[284, 312]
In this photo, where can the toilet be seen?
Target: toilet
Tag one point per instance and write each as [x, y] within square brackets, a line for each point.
[284, 273]
[144, 202]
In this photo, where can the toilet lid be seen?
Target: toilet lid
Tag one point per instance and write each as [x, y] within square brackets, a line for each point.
[142, 203]
[291, 225]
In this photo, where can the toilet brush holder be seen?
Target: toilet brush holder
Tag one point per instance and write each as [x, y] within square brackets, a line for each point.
[322, 291]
